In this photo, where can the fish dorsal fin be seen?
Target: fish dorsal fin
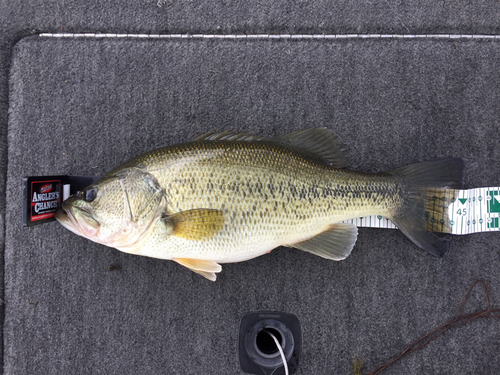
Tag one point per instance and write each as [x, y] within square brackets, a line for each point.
[320, 142]
[198, 224]
[205, 268]
[228, 135]
[335, 243]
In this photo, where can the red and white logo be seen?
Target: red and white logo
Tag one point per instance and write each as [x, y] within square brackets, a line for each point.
[46, 188]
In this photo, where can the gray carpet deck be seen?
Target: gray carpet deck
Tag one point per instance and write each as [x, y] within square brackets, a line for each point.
[82, 106]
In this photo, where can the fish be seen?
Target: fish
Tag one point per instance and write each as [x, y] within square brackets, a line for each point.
[228, 197]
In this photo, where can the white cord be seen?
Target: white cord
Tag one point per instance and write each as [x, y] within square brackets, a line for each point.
[272, 36]
[285, 365]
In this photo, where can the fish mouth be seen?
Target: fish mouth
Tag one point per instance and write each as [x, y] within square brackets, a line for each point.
[77, 220]
[65, 217]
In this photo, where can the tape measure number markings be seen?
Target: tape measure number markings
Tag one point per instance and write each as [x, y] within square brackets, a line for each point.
[472, 211]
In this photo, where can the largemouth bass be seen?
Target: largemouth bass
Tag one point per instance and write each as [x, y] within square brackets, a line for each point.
[228, 197]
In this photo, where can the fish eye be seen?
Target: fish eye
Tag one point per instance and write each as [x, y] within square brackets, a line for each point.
[90, 194]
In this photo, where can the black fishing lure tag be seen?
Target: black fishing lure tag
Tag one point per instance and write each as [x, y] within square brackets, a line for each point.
[43, 195]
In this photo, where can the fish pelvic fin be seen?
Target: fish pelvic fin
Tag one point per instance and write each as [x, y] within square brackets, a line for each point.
[335, 243]
[197, 224]
[428, 189]
[205, 268]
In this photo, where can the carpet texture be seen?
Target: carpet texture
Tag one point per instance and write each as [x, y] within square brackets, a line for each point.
[83, 106]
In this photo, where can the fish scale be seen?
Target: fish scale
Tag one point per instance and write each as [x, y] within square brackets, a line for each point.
[271, 195]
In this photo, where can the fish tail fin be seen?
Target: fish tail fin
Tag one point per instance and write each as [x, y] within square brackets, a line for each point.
[428, 189]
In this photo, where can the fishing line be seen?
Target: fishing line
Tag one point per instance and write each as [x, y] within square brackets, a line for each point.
[282, 353]
[491, 313]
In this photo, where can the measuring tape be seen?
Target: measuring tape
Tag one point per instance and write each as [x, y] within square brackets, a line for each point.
[470, 211]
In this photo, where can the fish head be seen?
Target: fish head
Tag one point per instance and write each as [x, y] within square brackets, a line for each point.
[119, 210]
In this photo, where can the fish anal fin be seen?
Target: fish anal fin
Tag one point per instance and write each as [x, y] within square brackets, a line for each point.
[319, 142]
[205, 268]
[197, 224]
[335, 243]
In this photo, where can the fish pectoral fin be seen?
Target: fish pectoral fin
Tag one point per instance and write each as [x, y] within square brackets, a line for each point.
[335, 243]
[197, 225]
[206, 268]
